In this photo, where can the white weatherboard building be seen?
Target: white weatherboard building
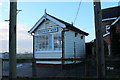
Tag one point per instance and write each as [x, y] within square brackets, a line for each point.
[55, 39]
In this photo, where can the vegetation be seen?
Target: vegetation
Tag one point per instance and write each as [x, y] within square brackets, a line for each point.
[24, 56]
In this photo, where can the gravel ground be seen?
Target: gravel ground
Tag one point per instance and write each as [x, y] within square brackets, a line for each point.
[24, 69]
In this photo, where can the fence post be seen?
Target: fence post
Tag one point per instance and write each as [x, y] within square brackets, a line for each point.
[1, 64]
[86, 67]
[34, 61]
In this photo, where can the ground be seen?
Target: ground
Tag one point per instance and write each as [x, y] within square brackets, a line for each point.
[25, 69]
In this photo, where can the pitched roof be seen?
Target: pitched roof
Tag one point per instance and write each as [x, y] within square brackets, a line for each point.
[67, 25]
[111, 12]
[70, 26]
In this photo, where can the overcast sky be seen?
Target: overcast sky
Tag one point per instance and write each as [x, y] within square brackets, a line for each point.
[31, 13]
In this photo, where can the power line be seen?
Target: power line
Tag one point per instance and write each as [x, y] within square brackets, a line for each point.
[77, 12]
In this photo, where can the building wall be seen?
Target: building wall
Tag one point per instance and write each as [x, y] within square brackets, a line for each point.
[107, 39]
[47, 54]
[74, 46]
[47, 24]
[115, 39]
[104, 23]
[118, 27]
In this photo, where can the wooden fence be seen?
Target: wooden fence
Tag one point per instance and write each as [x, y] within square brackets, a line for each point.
[109, 70]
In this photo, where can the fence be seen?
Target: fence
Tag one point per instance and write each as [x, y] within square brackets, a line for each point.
[89, 66]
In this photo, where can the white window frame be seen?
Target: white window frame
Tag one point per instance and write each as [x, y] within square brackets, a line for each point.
[48, 51]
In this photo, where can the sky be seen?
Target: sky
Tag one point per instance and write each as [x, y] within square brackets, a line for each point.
[33, 11]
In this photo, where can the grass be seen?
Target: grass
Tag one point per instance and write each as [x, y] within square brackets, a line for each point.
[24, 56]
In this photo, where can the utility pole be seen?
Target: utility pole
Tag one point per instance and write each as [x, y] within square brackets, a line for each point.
[12, 39]
[99, 40]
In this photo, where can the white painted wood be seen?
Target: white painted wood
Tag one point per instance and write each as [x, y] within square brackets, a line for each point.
[109, 19]
[60, 51]
[69, 39]
[69, 45]
[44, 26]
[53, 43]
[115, 21]
[44, 18]
[52, 53]
[36, 25]
[56, 21]
[48, 55]
[48, 62]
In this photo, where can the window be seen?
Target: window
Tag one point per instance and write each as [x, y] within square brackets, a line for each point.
[81, 37]
[44, 42]
[76, 34]
[48, 42]
[57, 42]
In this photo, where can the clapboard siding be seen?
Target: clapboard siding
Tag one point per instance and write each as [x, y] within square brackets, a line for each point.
[48, 25]
[69, 39]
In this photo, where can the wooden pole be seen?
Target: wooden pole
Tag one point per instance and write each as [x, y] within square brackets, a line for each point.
[1, 64]
[34, 74]
[12, 39]
[99, 40]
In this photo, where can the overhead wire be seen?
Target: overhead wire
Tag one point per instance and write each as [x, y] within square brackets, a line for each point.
[77, 11]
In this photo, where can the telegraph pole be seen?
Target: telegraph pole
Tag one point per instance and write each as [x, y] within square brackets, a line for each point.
[99, 40]
[12, 39]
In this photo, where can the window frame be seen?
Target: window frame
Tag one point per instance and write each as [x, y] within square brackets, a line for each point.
[53, 48]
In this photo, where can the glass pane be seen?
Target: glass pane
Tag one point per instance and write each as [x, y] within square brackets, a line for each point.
[44, 42]
[57, 42]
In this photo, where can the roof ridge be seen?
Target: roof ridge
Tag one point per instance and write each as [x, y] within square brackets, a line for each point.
[58, 19]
